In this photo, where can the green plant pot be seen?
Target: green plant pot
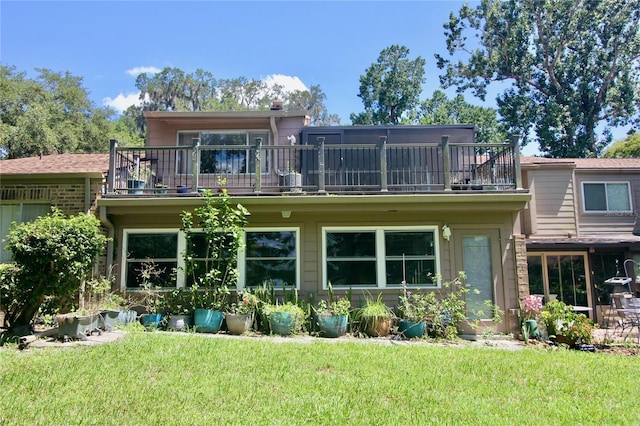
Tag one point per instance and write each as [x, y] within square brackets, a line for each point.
[179, 322]
[238, 323]
[282, 323]
[532, 328]
[207, 320]
[151, 320]
[410, 329]
[332, 325]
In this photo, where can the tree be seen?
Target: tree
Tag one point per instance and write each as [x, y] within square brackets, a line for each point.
[571, 64]
[629, 147]
[53, 254]
[441, 110]
[312, 100]
[390, 87]
[51, 114]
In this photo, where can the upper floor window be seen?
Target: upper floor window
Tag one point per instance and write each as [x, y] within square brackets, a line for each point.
[380, 257]
[606, 197]
[19, 213]
[222, 161]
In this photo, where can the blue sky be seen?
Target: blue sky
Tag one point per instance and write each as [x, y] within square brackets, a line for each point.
[329, 43]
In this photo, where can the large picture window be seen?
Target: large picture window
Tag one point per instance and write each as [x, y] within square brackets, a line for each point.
[270, 256]
[236, 160]
[380, 257]
[606, 197]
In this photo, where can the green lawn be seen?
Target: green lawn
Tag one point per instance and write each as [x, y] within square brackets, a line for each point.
[186, 379]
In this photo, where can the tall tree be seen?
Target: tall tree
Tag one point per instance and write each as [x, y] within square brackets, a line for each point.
[312, 100]
[50, 114]
[390, 87]
[572, 63]
[628, 147]
[441, 110]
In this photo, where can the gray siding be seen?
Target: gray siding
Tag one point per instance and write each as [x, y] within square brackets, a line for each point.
[554, 197]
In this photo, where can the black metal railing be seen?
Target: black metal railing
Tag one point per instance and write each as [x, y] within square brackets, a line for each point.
[366, 168]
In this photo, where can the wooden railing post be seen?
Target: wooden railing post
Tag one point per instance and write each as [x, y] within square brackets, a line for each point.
[321, 187]
[258, 171]
[446, 162]
[382, 147]
[195, 164]
[515, 146]
[111, 178]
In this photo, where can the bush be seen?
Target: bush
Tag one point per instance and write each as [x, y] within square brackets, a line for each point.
[53, 254]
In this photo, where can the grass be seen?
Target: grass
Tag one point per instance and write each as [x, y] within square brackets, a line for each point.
[187, 379]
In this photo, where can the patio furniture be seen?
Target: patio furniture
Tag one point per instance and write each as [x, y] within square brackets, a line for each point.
[628, 309]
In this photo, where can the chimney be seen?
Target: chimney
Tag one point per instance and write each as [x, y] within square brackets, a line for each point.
[276, 105]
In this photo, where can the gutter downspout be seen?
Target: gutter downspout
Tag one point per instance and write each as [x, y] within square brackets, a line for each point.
[274, 129]
[110, 233]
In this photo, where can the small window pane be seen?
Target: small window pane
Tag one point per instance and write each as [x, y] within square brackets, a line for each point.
[409, 243]
[413, 271]
[351, 273]
[278, 272]
[164, 277]
[618, 197]
[351, 244]
[595, 198]
[155, 246]
[271, 244]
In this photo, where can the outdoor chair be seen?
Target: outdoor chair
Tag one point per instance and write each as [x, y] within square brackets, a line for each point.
[628, 309]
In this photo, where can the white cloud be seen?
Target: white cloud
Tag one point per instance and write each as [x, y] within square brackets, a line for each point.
[289, 83]
[141, 70]
[122, 102]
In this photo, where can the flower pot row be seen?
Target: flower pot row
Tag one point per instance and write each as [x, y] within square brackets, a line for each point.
[81, 325]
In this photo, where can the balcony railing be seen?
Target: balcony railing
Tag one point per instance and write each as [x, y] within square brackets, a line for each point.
[348, 168]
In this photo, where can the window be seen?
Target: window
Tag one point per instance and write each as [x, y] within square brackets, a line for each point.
[222, 161]
[476, 252]
[270, 256]
[151, 248]
[19, 213]
[380, 257]
[606, 197]
[204, 260]
[562, 275]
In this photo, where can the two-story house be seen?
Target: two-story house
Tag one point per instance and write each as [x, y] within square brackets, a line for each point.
[360, 208]
[582, 228]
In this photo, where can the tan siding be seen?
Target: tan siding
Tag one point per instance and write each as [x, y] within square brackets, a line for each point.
[554, 202]
[608, 223]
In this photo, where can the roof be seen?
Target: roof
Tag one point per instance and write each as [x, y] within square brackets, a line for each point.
[56, 164]
[208, 115]
[584, 163]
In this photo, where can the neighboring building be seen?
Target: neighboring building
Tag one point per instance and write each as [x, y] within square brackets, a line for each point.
[582, 227]
[362, 208]
[29, 187]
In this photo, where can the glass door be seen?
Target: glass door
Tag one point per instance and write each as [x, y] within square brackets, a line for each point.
[563, 276]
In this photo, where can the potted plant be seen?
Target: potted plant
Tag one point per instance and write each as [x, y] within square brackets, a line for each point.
[151, 296]
[179, 306]
[414, 309]
[285, 319]
[161, 188]
[530, 308]
[332, 317]
[566, 326]
[137, 177]
[78, 324]
[375, 317]
[240, 315]
[209, 303]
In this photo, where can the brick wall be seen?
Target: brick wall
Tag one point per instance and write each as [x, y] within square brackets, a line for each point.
[522, 270]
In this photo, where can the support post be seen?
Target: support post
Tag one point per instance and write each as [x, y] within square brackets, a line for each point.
[382, 147]
[446, 162]
[321, 187]
[258, 171]
[111, 179]
[517, 173]
[195, 164]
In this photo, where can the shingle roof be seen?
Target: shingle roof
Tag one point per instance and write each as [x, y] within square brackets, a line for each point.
[56, 164]
[586, 163]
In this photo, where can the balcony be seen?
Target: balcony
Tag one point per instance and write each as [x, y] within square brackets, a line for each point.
[370, 168]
